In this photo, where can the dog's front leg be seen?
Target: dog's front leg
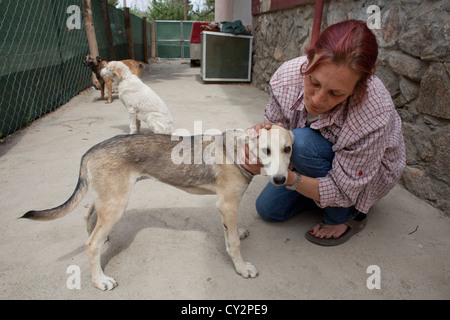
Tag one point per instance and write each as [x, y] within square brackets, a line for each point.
[102, 88]
[228, 208]
[109, 87]
[138, 125]
[133, 121]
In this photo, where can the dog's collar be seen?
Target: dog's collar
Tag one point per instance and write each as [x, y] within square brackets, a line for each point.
[245, 172]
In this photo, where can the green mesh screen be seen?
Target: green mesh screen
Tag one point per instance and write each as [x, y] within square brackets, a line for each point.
[41, 58]
[172, 39]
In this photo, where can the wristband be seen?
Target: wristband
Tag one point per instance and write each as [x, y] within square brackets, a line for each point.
[294, 186]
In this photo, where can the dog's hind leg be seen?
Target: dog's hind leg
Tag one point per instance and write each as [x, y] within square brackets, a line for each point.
[160, 123]
[91, 219]
[109, 211]
[228, 204]
[243, 233]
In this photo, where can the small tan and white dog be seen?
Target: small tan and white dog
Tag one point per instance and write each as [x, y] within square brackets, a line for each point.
[142, 103]
[98, 63]
[113, 166]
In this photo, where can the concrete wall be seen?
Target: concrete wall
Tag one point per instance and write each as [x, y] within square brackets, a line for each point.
[413, 63]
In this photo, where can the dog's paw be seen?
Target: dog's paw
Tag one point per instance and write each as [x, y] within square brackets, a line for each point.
[105, 283]
[243, 233]
[248, 270]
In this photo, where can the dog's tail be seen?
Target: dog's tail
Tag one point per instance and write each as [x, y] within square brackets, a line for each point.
[60, 211]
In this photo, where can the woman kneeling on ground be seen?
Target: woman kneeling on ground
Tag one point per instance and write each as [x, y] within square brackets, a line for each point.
[349, 150]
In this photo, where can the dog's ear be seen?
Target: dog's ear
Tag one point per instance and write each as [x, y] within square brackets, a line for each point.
[117, 72]
[99, 59]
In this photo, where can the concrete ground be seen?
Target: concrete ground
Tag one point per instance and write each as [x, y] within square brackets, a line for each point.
[170, 244]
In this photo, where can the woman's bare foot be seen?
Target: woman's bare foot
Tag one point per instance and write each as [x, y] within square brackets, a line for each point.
[328, 231]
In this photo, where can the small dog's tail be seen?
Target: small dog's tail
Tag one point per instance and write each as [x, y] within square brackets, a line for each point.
[60, 211]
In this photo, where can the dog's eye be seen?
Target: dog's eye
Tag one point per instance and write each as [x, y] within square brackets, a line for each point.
[266, 151]
[287, 149]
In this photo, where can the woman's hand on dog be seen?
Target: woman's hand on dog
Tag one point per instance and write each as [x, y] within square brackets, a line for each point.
[249, 161]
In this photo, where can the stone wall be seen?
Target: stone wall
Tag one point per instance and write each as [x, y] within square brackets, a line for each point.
[413, 63]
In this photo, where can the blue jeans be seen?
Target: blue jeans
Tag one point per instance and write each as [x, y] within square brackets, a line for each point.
[312, 156]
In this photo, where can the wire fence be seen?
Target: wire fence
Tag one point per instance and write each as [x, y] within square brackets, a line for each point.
[43, 44]
[172, 39]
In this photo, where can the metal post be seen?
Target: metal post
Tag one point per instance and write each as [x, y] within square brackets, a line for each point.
[317, 21]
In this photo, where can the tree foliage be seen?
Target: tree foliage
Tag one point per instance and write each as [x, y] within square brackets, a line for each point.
[206, 12]
[174, 10]
[169, 10]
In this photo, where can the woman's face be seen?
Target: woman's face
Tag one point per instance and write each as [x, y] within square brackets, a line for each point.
[327, 86]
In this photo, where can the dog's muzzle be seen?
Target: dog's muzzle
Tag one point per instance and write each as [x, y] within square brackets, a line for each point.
[279, 180]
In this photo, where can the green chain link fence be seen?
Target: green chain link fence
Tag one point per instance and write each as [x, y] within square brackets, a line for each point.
[41, 58]
[173, 39]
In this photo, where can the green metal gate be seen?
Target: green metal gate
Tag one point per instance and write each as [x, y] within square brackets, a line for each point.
[172, 39]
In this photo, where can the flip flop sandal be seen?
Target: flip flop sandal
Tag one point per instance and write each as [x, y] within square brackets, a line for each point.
[353, 227]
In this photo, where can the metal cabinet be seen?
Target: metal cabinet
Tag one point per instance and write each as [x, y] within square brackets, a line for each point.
[226, 57]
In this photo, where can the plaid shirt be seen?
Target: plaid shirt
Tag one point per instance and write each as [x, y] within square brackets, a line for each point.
[366, 135]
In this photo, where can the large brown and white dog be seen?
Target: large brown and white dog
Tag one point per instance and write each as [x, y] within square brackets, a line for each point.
[113, 166]
[98, 63]
[142, 103]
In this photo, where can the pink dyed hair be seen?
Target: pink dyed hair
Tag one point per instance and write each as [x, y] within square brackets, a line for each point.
[350, 43]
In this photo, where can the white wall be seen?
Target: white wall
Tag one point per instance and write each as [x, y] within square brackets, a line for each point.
[231, 10]
[242, 10]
